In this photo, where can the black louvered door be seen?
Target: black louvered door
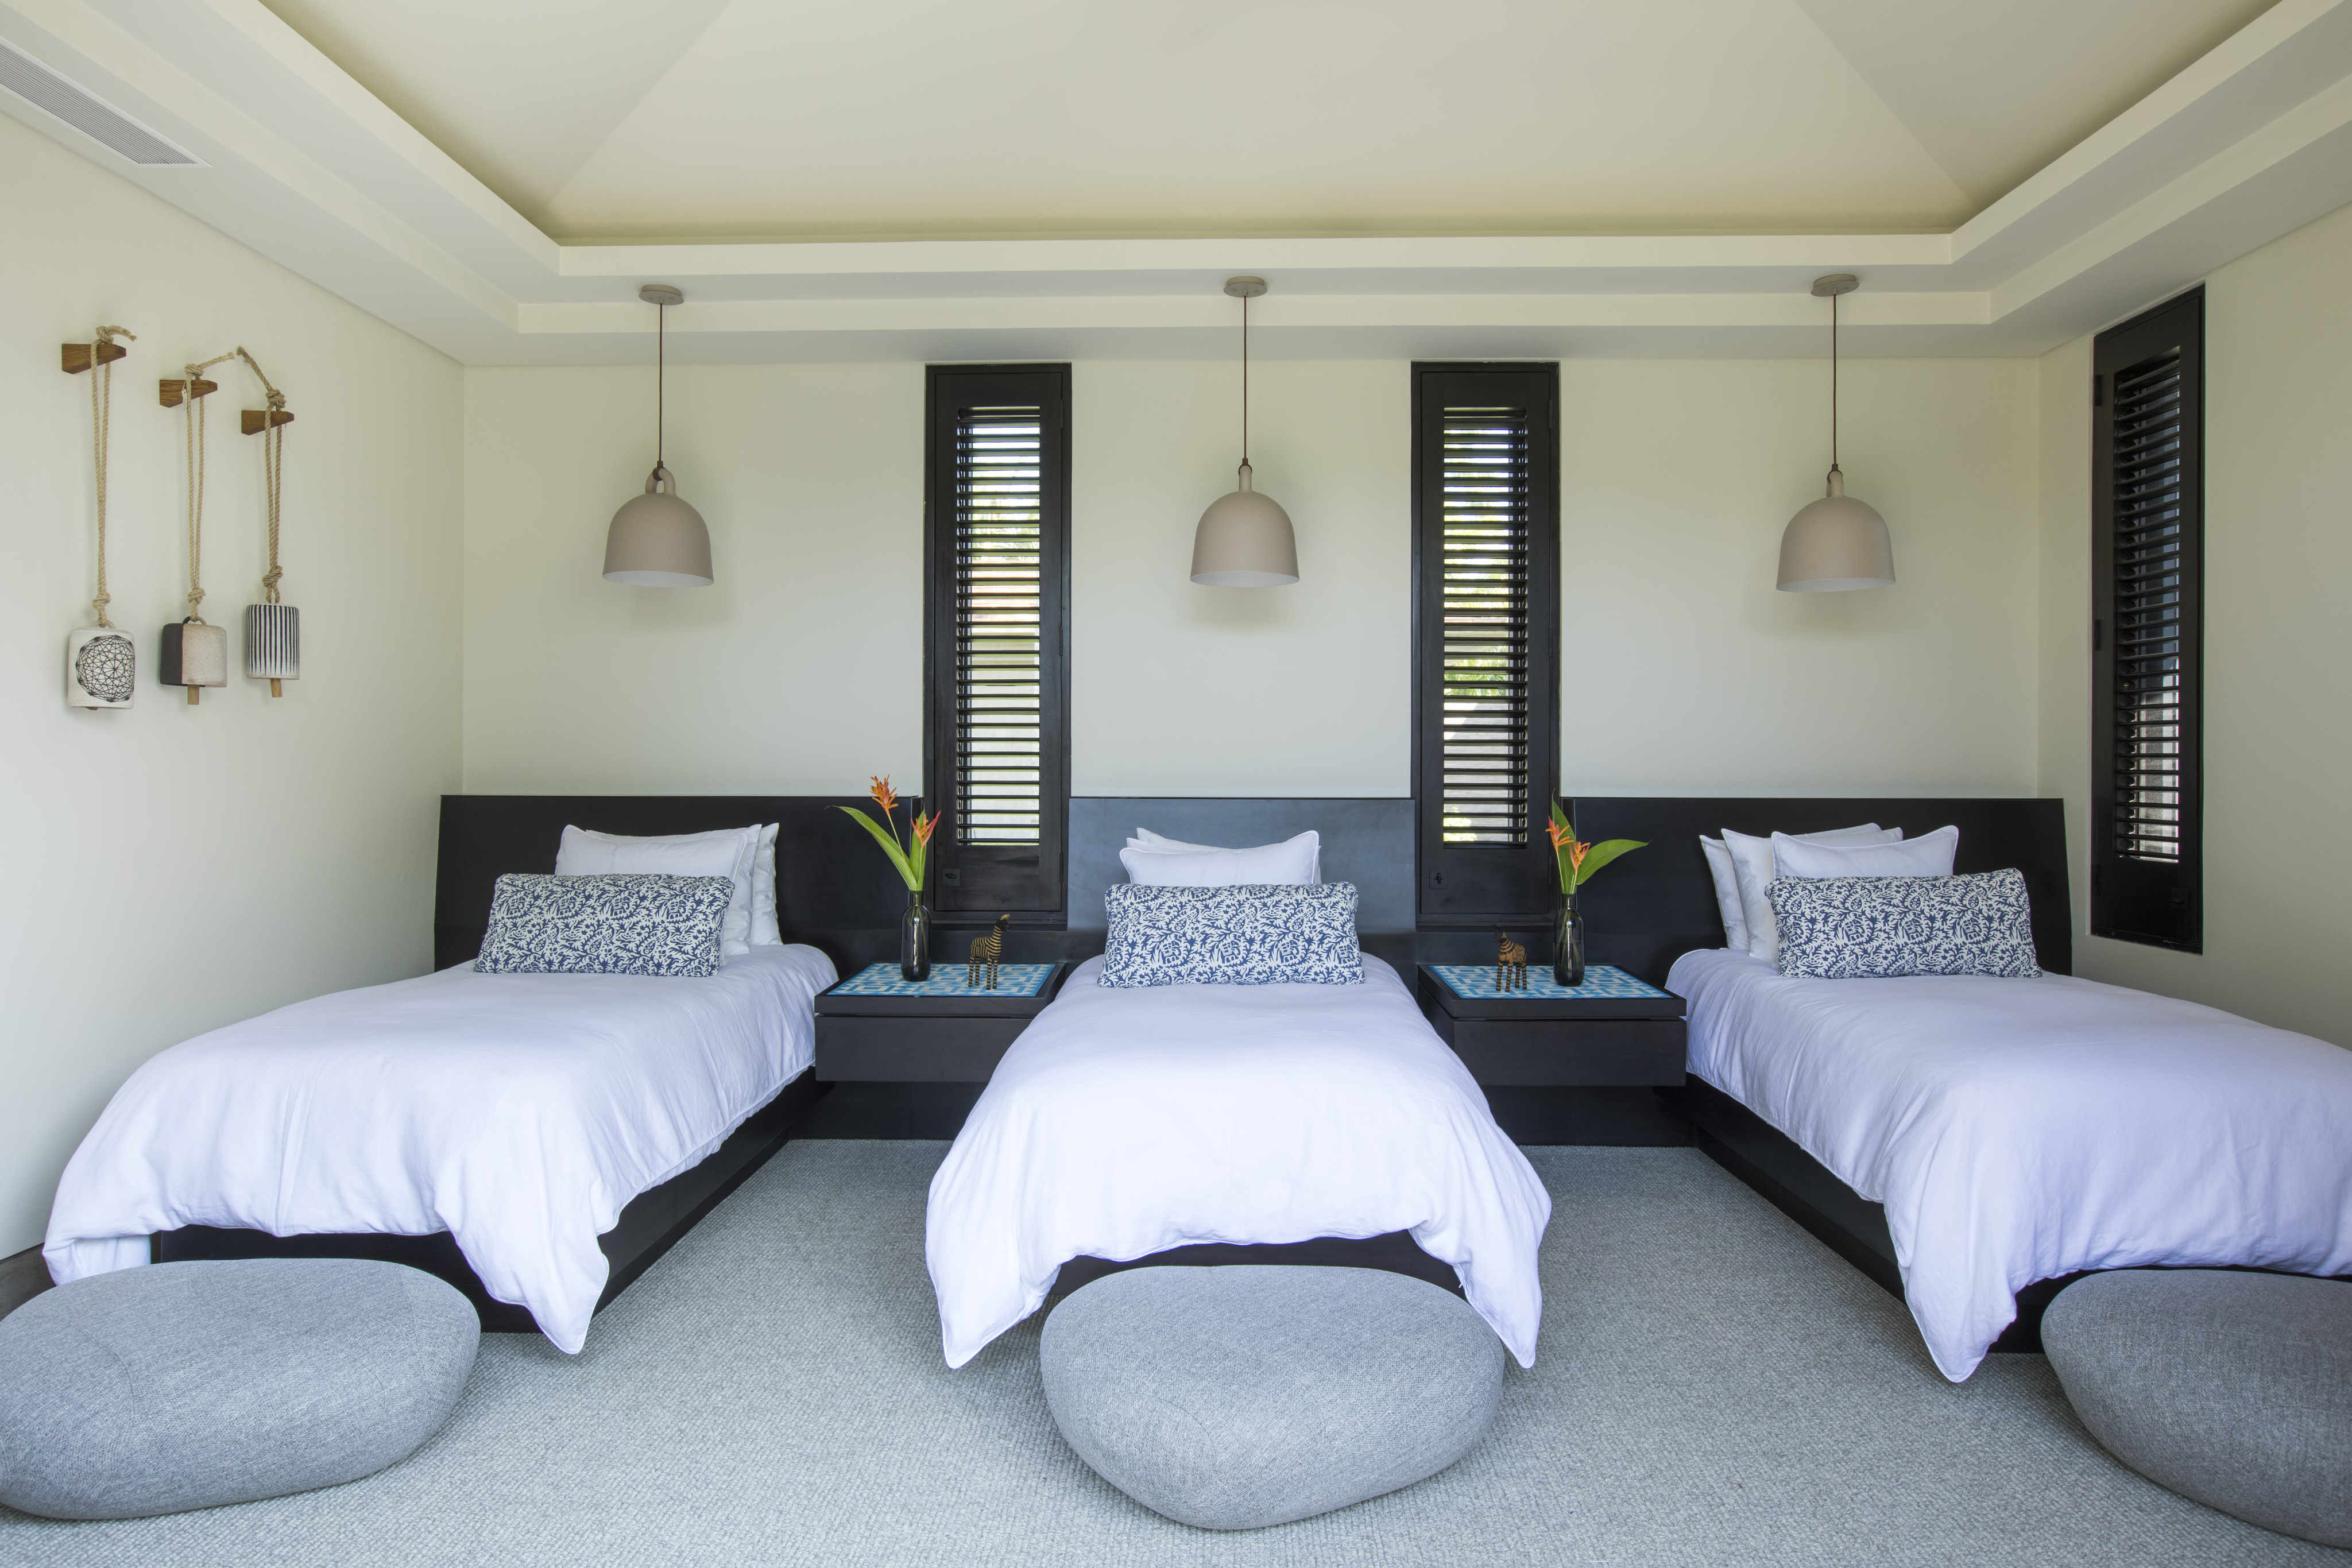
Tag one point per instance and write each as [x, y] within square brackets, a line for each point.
[998, 741]
[1485, 703]
[2148, 627]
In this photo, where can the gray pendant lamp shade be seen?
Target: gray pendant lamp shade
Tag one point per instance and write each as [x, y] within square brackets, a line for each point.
[656, 541]
[1837, 542]
[1245, 539]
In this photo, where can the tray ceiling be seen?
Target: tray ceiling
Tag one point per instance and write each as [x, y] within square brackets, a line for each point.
[1048, 179]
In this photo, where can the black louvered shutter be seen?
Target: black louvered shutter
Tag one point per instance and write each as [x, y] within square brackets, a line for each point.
[2148, 627]
[1486, 634]
[998, 596]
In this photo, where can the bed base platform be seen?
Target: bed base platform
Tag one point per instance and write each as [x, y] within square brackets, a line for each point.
[648, 1227]
[1802, 1187]
[1395, 1252]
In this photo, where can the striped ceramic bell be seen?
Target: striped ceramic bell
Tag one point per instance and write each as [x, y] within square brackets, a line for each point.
[195, 655]
[273, 644]
[101, 668]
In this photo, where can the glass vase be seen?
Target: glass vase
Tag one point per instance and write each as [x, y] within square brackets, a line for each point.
[1568, 945]
[915, 938]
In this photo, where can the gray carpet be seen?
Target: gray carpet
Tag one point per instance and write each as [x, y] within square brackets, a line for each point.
[1713, 1388]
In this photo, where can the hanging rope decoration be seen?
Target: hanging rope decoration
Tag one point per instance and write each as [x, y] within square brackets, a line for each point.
[101, 663]
[196, 652]
[273, 631]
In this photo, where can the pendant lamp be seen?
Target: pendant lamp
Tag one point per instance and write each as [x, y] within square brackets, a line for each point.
[1245, 539]
[1837, 542]
[656, 541]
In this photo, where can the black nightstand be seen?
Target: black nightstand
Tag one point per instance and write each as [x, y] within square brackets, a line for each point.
[945, 1034]
[1626, 1035]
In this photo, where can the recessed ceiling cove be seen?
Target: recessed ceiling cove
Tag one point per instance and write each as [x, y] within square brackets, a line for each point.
[606, 121]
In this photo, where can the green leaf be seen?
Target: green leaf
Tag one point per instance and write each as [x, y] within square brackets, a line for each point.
[1558, 813]
[1602, 853]
[906, 873]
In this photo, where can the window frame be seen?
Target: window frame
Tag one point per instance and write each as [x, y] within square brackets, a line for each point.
[2134, 900]
[1475, 885]
[982, 880]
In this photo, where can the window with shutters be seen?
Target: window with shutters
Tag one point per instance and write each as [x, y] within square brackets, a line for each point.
[2148, 626]
[1485, 468]
[997, 743]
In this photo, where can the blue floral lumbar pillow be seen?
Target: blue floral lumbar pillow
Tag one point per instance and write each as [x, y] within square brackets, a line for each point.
[1874, 927]
[664, 926]
[1249, 936]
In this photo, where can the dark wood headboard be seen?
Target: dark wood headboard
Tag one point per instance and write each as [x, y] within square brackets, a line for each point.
[833, 889]
[1648, 909]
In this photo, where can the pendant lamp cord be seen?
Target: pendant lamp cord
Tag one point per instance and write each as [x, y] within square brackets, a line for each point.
[1244, 380]
[101, 415]
[661, 377]
[1833, 383]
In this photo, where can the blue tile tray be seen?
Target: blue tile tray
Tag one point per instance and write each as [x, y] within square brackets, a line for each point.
[1475, 982]
[947, 980]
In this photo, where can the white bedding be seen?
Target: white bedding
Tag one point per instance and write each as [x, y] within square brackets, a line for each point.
[2020, 1130]
[517, 1112]
[1127, 1121]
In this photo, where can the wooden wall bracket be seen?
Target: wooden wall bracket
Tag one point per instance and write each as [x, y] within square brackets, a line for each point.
[254, 421]
[170, 394]
[75, 357]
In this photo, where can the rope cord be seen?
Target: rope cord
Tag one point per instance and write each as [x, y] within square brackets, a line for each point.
[1834, 382]
[661, 376]
[273, 469]
[273, 475]
[195, 406]
[102, 417]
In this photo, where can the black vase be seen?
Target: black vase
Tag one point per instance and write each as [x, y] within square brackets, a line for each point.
[1568, 945]
[915, 939]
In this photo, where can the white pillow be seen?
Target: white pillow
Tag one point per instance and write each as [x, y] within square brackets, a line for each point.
[727, 852]
[1751, 863]
[1930, 855]
[1145, 838]
[763, 890]
[1727, 892]
[1294, 862]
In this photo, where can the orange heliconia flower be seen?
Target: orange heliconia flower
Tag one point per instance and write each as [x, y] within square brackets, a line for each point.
[884, 796]
[1563, 842]
[923, 827]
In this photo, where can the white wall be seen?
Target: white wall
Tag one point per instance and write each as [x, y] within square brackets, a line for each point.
[2278, 551]
[171, 869]
[1687, 671]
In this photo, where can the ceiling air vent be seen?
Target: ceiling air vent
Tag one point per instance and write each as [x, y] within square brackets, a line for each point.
[52, 94]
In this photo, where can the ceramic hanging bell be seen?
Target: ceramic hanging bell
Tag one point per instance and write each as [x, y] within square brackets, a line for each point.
[273, 644]
[195, 654]
[102, 667]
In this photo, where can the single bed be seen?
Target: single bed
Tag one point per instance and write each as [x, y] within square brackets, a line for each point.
[2014, 1131]
[536, 1140]
[517, 1112]
[1129, 1124]
[1973, 1142]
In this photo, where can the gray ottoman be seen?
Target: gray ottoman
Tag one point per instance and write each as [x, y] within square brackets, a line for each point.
[191, 1385]
[1236, 1398]
[2233, 1389]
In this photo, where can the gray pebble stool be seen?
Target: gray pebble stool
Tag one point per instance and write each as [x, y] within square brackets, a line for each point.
[1232, 1399]
[2231, 1389]
[188, 1385]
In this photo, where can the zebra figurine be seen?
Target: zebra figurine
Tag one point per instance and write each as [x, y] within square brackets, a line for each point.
[987, 951]
[1510, 963]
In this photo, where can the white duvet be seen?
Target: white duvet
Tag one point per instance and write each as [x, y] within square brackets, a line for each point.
[2021, 1129]
[1127, 1121]
[517, 1112]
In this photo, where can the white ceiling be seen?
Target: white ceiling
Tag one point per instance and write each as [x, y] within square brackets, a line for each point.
[915, 179]
[733, 120]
